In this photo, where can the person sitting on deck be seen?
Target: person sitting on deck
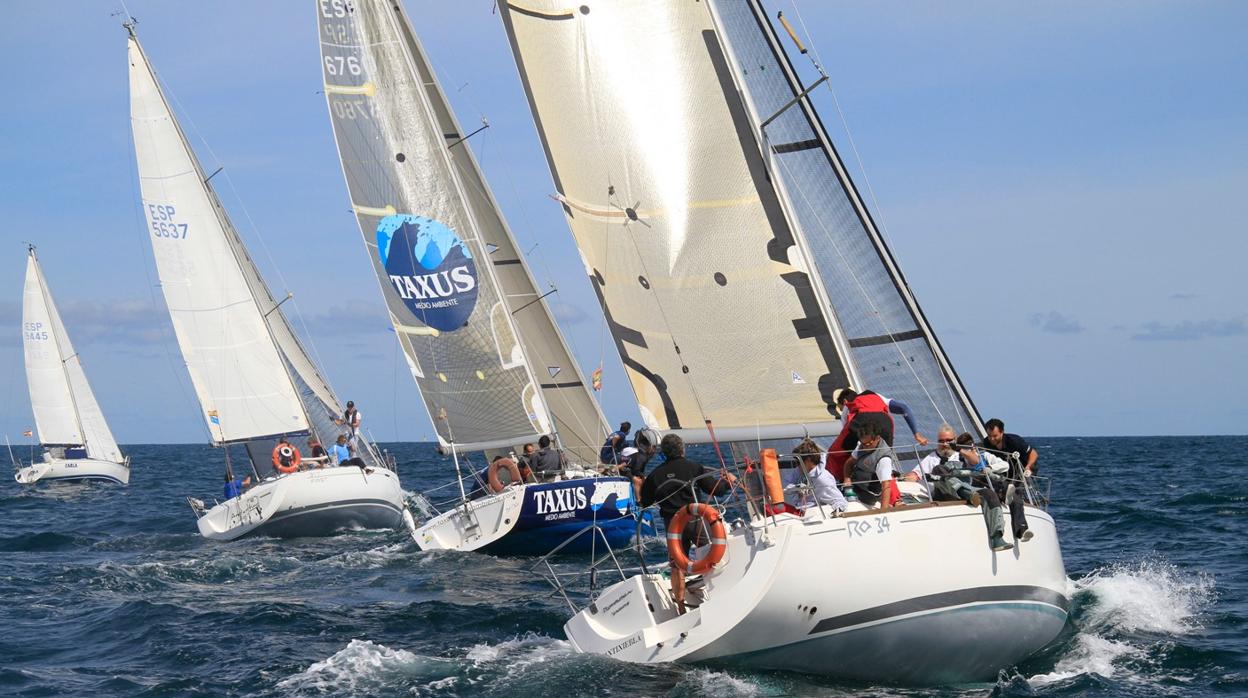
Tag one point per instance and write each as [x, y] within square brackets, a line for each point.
[610, 451]
[1022, 458]
[316, 450]
[547, 462]
[341, 453]
[823, 485]
[233, 486]
[525, 462]
[940, 474]
[870, 470]
[671, 486]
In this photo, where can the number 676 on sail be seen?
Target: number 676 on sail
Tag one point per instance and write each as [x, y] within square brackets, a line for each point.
[160, 216]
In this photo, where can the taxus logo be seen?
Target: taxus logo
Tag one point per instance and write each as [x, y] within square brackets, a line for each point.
[430, 268]
[561, 500]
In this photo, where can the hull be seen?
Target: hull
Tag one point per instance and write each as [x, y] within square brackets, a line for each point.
[535, 519]
[317, 502]
[75, 470]
[914, 596]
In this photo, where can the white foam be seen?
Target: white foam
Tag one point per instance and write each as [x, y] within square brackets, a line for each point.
[364, 667]
[1134, 607]
[369, 559]
[520, 652]
[717, 683]
[1092, 654]
[1151, 596]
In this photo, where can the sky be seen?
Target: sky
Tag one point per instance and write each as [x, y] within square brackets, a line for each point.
[1064, 184]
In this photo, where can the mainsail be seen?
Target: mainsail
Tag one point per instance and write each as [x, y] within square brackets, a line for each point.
[253, 378]
[704, 281]
[480, 341]
[66, 413]
[720, 291]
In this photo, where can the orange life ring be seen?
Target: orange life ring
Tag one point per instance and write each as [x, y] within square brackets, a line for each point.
[496, 483]
[719, 538]
[293, 455]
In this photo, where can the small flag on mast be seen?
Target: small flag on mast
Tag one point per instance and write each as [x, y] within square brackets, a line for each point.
[596, 379]
[28, 432]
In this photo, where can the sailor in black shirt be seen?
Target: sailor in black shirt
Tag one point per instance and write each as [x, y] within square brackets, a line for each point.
[669, 486]
[1005, 446]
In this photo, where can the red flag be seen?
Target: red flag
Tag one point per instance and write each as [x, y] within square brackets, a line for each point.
[596, 379]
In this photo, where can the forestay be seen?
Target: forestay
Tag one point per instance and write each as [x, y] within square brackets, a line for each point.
[705, 286]
[65, 409]
[491, 364]
[893, 347]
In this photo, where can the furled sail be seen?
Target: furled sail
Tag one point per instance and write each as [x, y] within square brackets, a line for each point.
[892, 346]
[66, 413]
[491, 364]
[706, 286]
[253, 378]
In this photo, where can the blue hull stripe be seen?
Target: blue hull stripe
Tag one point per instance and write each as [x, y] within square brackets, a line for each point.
[1028, 595]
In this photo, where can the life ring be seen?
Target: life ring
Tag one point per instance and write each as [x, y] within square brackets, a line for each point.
[289, 452]
[675, 534]
[496, 484]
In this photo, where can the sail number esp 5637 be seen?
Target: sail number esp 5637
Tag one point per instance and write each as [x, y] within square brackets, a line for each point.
[163, 224]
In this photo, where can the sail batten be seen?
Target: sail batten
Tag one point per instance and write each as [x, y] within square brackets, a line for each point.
[474, 357]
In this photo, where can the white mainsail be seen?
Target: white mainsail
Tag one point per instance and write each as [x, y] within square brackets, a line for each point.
[490, 361]
[66, 412]
[706, 284]
[239, 375]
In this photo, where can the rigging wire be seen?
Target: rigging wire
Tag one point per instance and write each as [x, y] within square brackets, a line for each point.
[879, 216]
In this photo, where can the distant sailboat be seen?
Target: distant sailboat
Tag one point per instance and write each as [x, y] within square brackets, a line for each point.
[76, 441]
[744, 281]
[491, 363]
[254, 380]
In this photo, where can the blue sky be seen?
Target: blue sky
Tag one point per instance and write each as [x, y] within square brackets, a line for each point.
[1063, 182]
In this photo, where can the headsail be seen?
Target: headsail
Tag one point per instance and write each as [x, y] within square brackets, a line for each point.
[706, 287]
[491, 364]
[893, 347]
[66, 413]
[253, 378]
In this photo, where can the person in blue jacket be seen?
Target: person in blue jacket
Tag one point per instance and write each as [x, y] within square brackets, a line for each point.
[610, 451]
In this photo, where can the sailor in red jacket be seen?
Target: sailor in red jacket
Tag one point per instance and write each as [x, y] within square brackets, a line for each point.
[867, 406]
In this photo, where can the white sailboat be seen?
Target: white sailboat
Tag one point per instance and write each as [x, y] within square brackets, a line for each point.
[491, 364]
[254, 380]
[744, 281]
[76, 441]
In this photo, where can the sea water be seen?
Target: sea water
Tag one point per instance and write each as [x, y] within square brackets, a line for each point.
[110, 590]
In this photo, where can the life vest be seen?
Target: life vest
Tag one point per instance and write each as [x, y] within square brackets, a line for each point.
[609, 453]
[867, 485]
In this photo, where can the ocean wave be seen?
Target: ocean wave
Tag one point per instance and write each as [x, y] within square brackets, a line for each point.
[42, 542]
[1127, 613]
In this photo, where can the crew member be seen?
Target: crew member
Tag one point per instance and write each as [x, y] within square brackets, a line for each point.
[610, 451]
[1022, 458]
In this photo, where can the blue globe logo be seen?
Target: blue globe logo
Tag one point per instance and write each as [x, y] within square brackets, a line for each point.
[430, 268]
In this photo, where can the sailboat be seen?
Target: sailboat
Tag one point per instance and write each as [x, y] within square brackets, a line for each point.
[255, 382]
[76, 441]
[491, 364]
[744, 281]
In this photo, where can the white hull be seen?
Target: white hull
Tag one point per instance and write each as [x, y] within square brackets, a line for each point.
[315, 502]
[914, 596]
[474, 524]
[77, 469]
